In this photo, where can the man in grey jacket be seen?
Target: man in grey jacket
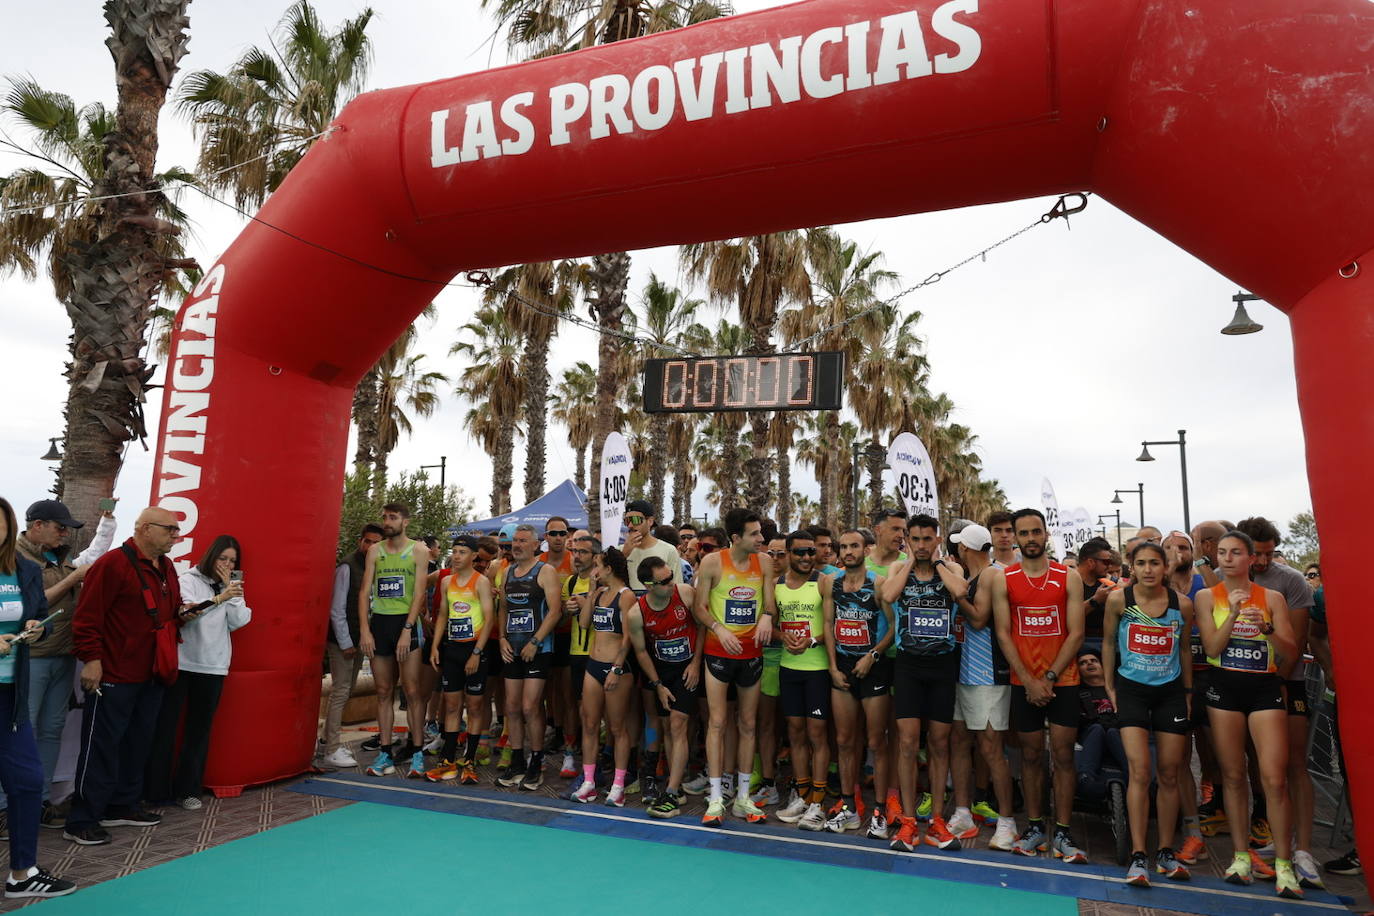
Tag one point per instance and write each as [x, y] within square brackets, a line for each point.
[342, 645]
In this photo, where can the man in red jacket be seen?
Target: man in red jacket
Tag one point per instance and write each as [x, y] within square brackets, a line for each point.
[127, 593]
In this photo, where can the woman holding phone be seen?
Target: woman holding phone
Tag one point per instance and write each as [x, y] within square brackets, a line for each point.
[213, 593]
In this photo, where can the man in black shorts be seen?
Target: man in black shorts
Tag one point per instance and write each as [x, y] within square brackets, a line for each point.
[459, 654]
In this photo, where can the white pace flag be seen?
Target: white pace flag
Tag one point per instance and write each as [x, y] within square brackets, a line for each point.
[915, 475]
[615, 486]
[1082, 526]
[1049, 503]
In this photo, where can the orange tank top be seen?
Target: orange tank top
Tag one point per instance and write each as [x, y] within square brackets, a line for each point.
[737, 601]
[565, 571]
[1248, 649]
[1039, 619]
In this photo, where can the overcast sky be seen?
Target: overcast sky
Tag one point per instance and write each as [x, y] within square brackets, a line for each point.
[1062, 351]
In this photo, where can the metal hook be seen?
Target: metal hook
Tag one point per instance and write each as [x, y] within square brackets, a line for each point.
[1062, 210]
[478, 277]
[1350, 271]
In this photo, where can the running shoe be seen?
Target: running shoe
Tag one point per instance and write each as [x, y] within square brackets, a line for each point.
[484, 755]
[1239, 872]
[38, 883]
[796, 807]
[1168, 865]
[434, 745]
[431, 729]
[1286, 882]
[906, 839]
[633, 787]
[843, 820]
[877, 825]
[616, 797]
[667, 805]
[53, 816]
[1193, 851]
[340, 759]
[1032, 842]
[715, 813]
[1208, 791]
[1260, 868]
[86, 835]
[939, 836]
[1138, 874]
[381, 765]
[766, 795]
[697, 786]
[534, 777]
[962, 826]
[504, 760]
[372, 744]
[1348, 864]
[894, 808]
[814, 818]
[1261, 837]
[508, 777]
[569, 769]
[469, 776]
[586, 793]
[1004, 837]
[1065, 848]
[1306, 869]
[648, 787]
[925, 807]
[1214, 823]
[129, 816]
[984, 813]
[747, 811]
[445, 770]
[417, 766]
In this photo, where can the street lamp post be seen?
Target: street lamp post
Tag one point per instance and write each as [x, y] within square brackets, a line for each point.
[442, 466]
[1139, 491]
[1118, 527]
[1182, 443]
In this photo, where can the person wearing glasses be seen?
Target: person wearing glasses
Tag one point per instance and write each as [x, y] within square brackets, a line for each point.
[583, 548]
[564, 712]
[770, 689]
[51, 662]
[607, 686]
[126, 595]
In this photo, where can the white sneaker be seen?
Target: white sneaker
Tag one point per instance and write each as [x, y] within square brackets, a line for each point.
[1305, 867]
[697, 786]
[843, 820]
[813, 819]
[342, 758]
[796, 807]
[193, 803]
[1005, 834]
[962, 826]
[766, 795]
[434, 745]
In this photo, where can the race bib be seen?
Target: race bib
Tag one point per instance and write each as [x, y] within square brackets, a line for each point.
[853, 634]
[959, 630]
[1246, 655]
[741, 613]
[676, 649]
[520, 621]
[603, 619]
[1147, 640]
[790, 627]
[1038, 621]
[928, 623]
[391, 586]
[460, 629]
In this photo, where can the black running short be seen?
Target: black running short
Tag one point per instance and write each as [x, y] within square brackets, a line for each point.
[924, 687]
[562, 649]
[1201, 678]
[453, 660]
[386, 633]
[804, 694]
[1239, 691]
[1297, 698]
[1155, 707]
[878, 682]
[671, 674]
[537, 669]
[578, 667]
[738, 672]
[1062, 709]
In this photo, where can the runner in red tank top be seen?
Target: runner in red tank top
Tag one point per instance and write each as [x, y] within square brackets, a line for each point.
[1037, 607]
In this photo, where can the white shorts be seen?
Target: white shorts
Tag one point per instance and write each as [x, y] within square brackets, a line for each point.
[980, 707]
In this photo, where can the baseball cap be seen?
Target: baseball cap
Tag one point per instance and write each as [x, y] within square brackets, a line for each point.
[641, 506]
[507, 532]
[466, 540]
[51, 510]
[974, 537]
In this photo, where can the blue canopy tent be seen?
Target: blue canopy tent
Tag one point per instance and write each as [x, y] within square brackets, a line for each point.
[566, 499]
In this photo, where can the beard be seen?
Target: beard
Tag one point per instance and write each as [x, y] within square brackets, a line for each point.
[1032, 549]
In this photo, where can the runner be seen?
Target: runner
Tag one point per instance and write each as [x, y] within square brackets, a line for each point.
[734, 601]
[1184, 579]
[770, 690]
[858, 630]
[560, 700]
[1248, 641]
[668, 642]
[528, 593]
[1149, 625]
[393, 587]
[825, 550]
[459, 655]
[927, 595]
[889, 534]
[982, 702]
[606, 689]
[583, 548]
[1003, 539]
[1038, 609]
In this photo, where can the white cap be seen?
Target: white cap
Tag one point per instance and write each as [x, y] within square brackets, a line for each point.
[974, 537]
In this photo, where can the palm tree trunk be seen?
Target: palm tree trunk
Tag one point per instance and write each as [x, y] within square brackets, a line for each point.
[503, 469]
[536, 370]
[830, 482]
[728, 484]
[117, 276]
[784, 489]
[610, 274]
[379, 468]
[658, 458]
[873, 458]
[365, 420]
[581, 481]
[756, 465]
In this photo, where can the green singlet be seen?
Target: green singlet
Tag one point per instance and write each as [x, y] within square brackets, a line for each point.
[393, 580]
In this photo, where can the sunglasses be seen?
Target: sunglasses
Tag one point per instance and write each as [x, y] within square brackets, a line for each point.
[776, 553]
[1313, 575]
[634, 519]
[506, 545]
[803, 551]
[707, 547]
[555, 534]
[664, 583]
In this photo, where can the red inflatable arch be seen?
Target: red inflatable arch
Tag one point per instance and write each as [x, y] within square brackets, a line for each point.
[1243, 130]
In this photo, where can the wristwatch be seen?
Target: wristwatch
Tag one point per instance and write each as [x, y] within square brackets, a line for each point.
[814, 644]
[654, 685]
[877, 656]
[1201, 562]
[408, 626]
[617, 670]
[1051, 676]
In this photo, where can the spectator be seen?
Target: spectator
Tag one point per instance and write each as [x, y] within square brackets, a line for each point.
[22, 607]
[1099, 737]
[51, 662]
[203, 664]
[126, 597]
[341, 644]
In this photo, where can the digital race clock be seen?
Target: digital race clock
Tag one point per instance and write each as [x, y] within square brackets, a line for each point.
[779, 381]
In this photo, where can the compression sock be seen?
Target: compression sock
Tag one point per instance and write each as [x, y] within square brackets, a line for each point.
[471, 752]
[589, 773]
[649, 762]
[802, 787]
[767, 781]
[537, 760]
[517, 759]
[619, 782]
[450, 746]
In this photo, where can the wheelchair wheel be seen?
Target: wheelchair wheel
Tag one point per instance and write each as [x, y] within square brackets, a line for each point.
[1121, 828]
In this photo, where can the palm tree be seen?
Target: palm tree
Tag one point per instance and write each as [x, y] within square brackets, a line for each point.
[682, 433]
[552, 287]
[667, 314]
[888, 379]
[258, 119]
[781, 431]
[723, 427]
[575, 407]
[402, 386]
[90, 204]
[495, 386]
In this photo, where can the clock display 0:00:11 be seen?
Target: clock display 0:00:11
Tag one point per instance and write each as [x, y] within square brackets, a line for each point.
[782, 381]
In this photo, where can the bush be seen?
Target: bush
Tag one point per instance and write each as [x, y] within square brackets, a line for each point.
[432, 508]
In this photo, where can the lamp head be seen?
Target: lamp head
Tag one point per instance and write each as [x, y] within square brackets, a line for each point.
[1145, 453]
[1241, 323]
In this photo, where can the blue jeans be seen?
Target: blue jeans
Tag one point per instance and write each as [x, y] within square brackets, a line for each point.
[50, 687]
[21, 776]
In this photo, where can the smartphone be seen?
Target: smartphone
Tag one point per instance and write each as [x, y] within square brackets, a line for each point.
[108, 504]
[236, 576]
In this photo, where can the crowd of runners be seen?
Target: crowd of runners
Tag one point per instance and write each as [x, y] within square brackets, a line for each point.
[920, 686]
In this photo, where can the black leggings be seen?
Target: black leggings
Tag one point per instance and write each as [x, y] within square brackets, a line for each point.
[198, 694]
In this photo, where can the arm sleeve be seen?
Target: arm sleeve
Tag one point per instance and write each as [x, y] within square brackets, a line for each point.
[88, 620]
[338, 608]
[237, 613]
[100, 544]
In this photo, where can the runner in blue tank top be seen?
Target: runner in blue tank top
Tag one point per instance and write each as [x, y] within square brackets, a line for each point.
[1147, 626]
